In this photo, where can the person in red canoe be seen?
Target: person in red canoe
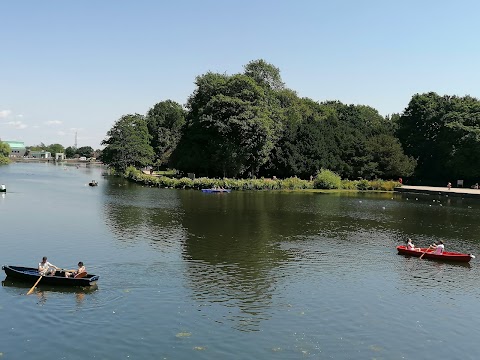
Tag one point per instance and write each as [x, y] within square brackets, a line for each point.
[410, 246]
[438, 248]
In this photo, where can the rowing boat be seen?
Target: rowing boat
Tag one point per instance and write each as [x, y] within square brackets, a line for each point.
[216, 190]
[428, 254]
[31, 275]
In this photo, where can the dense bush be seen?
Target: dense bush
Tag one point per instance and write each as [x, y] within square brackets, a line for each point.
[327, 179]
[4, 160]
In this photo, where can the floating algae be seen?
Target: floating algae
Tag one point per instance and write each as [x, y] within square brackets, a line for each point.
[199, 348]
[375, 348]
[183, 334]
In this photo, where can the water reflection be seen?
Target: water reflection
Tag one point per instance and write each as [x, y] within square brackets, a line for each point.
[233, 253]
[238, 250]
[142, 213]
[43, 292]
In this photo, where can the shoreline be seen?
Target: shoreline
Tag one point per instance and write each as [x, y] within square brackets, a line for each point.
[443, 191]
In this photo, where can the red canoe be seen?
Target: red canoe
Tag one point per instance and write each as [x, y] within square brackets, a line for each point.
[446, 256]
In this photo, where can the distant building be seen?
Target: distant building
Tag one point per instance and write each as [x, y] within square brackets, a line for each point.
[40, 154]
[59, 156]
[17, 148]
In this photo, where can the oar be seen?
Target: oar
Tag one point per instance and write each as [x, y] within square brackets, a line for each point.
[33, 287]
[424, 252]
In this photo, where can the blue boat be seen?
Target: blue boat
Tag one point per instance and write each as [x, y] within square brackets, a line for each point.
[216, 190]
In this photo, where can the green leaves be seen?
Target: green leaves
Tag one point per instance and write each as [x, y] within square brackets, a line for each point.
[443, 134]
[4, 149]
[128, 143]
[229, 129]
[164, 122]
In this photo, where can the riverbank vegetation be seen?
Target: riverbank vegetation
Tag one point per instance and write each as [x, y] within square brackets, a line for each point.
[323, 181]
[249, 126]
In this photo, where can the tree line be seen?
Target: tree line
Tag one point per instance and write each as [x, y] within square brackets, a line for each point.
[251, 125]
[70, 152]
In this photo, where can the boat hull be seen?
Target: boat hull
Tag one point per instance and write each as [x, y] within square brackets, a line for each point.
[446, 256]
[31, 275]
[216, 191]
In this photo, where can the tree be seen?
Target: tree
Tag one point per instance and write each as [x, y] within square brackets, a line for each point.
[39, 147]
[388, 159]
[128, 143]
[4, 149]
[4, 153]
[264, 74]
[165, 121]
[229, 130]
[70, 152]
[55, 148]
[442, 133]
[86, 151]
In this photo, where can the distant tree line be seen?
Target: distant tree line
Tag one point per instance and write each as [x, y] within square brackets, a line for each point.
[251, 125]
[70, 152]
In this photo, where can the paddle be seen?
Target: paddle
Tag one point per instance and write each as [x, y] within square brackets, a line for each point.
[33, 287]
[425, 251]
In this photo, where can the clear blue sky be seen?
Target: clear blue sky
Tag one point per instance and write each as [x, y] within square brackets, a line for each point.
[78, 66]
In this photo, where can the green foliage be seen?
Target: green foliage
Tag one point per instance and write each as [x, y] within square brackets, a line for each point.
[387, 155]
[206, 183]
[264, 74]
[229, 130]
[249, 125]
[128, 143]
[292, 183]
[55, 148]
[86, 151]
[4, 160]
[4, 149]
[327, 179]
[363, 185]
[165, 121]
[443, 134]
[70, 152]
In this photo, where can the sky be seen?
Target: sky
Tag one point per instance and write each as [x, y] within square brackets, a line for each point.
[75, 67]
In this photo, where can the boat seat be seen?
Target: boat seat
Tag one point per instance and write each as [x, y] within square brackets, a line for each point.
[81, 275]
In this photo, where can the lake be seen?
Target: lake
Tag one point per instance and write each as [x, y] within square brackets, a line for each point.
[245, 275]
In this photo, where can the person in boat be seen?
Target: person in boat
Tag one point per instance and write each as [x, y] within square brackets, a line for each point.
[410, 246]
[439, 248]
[46, 268]
[81, 269]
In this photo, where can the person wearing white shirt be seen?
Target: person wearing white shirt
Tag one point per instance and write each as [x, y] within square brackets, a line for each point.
[440, 248]
[46, 268]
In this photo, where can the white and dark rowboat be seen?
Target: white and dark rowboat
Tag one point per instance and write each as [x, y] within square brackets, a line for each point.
[31, 275]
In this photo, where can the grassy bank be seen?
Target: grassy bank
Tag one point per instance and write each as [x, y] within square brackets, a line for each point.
[256, 184]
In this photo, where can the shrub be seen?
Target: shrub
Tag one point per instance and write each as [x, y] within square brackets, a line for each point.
[363, 185]
[327, 179]
[349, 185]
[4, 160]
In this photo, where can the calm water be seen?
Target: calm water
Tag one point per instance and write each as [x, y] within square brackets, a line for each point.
[244, 275]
